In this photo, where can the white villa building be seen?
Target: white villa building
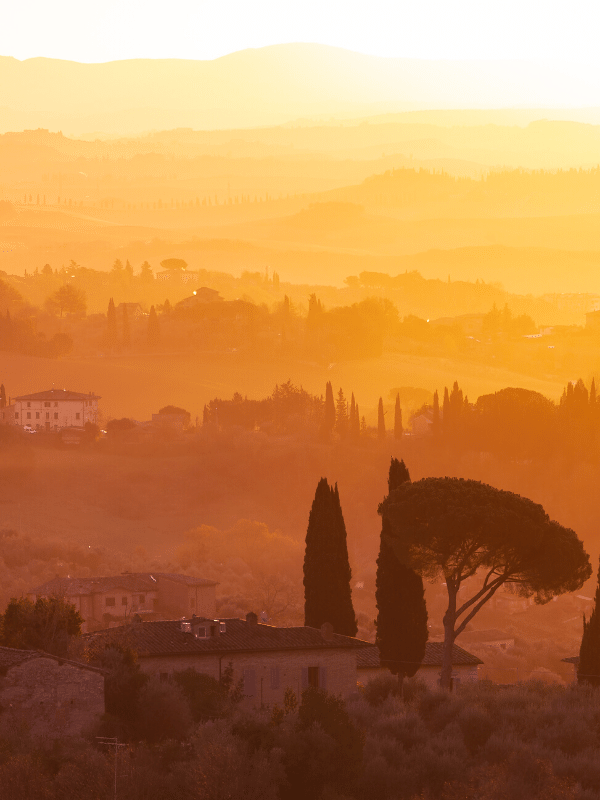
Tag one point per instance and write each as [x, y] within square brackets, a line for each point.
[54, 409]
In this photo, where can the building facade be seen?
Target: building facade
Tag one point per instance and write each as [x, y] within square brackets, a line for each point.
[55, 409]
[267, 660]
[108, 602]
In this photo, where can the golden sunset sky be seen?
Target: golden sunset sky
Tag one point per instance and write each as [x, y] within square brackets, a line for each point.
[196, 29]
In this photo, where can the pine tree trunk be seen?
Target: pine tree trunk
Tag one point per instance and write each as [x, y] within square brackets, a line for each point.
[449, 619]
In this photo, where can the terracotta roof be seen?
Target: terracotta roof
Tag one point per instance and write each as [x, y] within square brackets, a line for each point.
[10, 657]
[433, 656]
[58, 394]
[129, 582]
[166, 638]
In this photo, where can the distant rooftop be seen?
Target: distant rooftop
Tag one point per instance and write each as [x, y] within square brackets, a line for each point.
[166, 638]
[370, 658]
[128, 581]
[59, 394]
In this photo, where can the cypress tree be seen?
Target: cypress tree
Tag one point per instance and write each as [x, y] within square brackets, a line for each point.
[2, 396]
[380, 420]
[588, 670]
[111, 324]
[126, 329]
[327, 574]
[435, 426]
[329, 419]
[153, 333]
[446, 424]
[398, 430]
[341, 414]
[402, 614]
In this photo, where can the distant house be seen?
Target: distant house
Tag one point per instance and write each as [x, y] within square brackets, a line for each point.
[134, 311]
[55, 409]
[269, 660]
[106, 602]
[50, 696]
[200, 296]
[422, 424]
[464, 665]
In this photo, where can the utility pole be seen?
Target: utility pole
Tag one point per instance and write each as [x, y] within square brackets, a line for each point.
[112, 742]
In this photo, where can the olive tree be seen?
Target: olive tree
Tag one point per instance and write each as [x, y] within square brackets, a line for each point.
[458, 529]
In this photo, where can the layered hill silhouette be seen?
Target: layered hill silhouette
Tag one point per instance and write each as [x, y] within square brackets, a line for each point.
[270, 85]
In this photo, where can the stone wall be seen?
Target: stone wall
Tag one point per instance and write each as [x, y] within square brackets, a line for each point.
[50, 698]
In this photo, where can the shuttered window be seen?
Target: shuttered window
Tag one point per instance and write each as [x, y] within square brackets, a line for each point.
[249, 682]
[274, 677]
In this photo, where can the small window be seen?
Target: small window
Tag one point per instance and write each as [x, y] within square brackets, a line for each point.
[110, 601]
[201, 633]
[29, 415]
[16, 415]
[123, 601]
[37, 414]
[77, 416]
[274, 677]
[28, 405]
[46, 405]
[56, 415]
[313, 677]
[249, 683]
[142, 598]
[47, 415]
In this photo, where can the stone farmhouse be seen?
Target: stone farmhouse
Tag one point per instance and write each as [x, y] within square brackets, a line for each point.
[53, 410]
[109, 602]
[48, 696]
[269, 660]
[464, 665]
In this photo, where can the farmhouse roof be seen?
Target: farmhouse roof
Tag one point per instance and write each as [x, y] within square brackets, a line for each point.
[370, 658]
[160, 638]
[128, 581]
[12, 657]
[59, 394]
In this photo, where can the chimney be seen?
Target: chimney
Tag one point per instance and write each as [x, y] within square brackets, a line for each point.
[327, 631]
[251, 619]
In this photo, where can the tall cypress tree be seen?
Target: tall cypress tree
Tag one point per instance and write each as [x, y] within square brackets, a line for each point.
[398, 430]
[329, 418]
[402, 615]
[588, 670]
[153, 332]
[327, 574]
[380, 420]
[111, 324]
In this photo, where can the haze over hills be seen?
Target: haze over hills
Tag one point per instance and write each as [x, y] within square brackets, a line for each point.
[266, 86]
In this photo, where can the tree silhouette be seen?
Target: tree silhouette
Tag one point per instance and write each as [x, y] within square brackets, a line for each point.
[68, 299]
[588, 669]
[460, 529]
[327, 573]
[153, 333]
[398, 430]
[380, 420]
[402, 615]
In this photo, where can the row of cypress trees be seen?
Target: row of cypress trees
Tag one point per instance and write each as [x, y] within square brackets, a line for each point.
[402, 615]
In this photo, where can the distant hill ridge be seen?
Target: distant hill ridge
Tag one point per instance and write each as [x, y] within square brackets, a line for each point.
[270, 85]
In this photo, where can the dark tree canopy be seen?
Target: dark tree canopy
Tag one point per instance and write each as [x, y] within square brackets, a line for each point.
[327, 573]
[457, 529]
[402, 615]
[588, 669]
[45, 625]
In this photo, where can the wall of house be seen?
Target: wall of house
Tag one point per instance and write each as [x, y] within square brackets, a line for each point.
[183, 600]
[461, 674]
[267, 675]
[55, 414]
[51, 699]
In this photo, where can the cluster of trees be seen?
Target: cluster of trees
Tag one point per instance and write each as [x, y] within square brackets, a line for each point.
[437, 527]
[528, 742]
[520, 423]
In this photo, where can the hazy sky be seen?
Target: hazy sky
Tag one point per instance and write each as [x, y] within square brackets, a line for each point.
[80, 30]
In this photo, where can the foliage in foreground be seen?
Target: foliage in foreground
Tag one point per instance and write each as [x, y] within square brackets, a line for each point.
[486, 742]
